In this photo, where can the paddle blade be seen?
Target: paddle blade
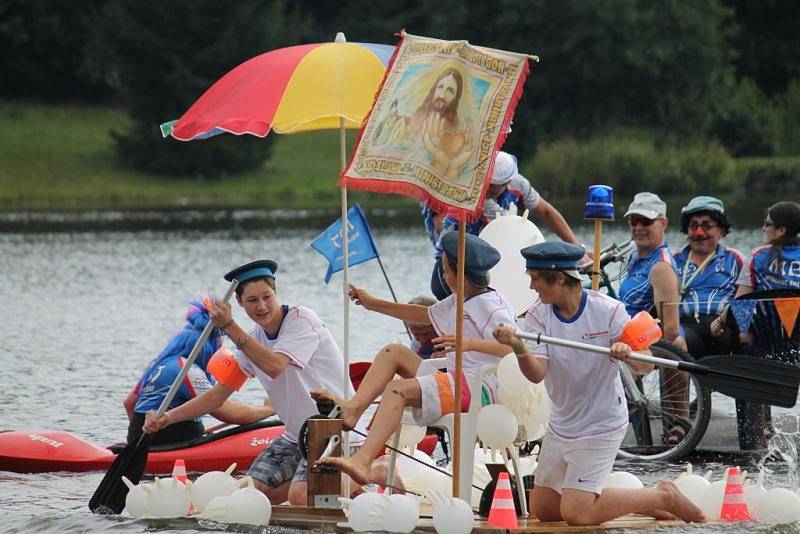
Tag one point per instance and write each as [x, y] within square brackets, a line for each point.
[750, 378]
[109, 497]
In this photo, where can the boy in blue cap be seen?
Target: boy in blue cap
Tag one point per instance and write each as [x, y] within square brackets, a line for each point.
[429, 392]
[291, 352]
[589, 415]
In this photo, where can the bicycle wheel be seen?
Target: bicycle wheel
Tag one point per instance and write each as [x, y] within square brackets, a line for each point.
[663, 400]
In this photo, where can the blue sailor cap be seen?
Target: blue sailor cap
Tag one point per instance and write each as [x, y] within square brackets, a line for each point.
[254, 269]
[555, 255]
[480, 256]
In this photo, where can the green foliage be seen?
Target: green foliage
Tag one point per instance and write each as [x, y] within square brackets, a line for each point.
[769, 175]
[744, 120]
[42, 57]
[629, 164]
[788, 106]
[161, 56]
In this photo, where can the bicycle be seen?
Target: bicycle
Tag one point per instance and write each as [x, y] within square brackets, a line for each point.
[655, 399]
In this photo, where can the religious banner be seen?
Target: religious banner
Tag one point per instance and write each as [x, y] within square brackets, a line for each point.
[442, 112]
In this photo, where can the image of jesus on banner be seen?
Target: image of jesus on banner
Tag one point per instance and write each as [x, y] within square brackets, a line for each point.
[437, 120]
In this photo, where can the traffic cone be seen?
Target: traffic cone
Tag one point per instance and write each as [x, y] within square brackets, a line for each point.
[179, 474]
[502, 514]
[734, 507]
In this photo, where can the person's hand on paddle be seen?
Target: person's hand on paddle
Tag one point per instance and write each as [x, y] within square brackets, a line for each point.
[447, 343]
[361, 297]
[506, 335]
[152, 425]
[620, 351]
[220, 313]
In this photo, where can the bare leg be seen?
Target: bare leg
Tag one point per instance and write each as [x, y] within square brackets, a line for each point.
[585, 508]
[397, 395]
[276, 495]
[392, 359]
[546, 504]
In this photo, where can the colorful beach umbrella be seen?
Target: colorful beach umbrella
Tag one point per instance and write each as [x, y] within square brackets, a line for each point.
[289, 90]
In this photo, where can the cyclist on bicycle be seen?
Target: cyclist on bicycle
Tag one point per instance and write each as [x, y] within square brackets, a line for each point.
[589, 417]
[707, 273]
[652, 284]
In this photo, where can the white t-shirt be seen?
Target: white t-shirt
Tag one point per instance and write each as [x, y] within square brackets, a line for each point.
[482, 313]
[316, 363]
[584, 387]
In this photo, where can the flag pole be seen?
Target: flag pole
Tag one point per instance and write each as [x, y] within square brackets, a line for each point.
[462, 240]
[345, 296]
[391, 290]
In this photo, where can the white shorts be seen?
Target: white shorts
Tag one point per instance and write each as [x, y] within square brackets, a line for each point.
[582, 464]
[437, 394]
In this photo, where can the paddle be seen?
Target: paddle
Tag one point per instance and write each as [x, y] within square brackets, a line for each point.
[736, 375]
[109, 497]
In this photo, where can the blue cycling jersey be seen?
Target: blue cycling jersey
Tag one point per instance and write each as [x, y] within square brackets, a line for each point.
[635, 291]
[708, 291]
[767, 270]
[158, 378]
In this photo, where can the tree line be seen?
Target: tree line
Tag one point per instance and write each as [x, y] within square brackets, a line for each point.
[725, 71]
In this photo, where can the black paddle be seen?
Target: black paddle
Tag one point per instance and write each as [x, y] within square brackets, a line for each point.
[109, 497]
[736, 375]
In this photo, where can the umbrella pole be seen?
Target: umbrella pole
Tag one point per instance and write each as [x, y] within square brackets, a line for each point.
[345, 296]
[462, 240]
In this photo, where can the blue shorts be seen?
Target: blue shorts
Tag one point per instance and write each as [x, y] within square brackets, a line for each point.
[279, 462]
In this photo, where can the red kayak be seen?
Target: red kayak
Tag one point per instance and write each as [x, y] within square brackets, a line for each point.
[41, 451]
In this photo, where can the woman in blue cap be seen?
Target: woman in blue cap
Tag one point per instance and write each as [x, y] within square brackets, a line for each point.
[160, 373]
[589, 415]
[428, 391]
[507, 187]
[291, 352]
[707, 274]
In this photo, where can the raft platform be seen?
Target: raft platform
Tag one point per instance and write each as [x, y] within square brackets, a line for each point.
[327, 520]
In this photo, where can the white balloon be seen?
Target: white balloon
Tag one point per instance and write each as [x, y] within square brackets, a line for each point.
[401, 513]
[362, 514]
[249, 506]
[169, 498]
[454, 516]
[408, 468]
[427, 480]
[510, 377]
[497, 426]
[216, 509]
[136, 500]
[711, 503]
[410, 436]
[622, 480]
[693, 487]
[778, 506]
[209, 486]
[509, 234]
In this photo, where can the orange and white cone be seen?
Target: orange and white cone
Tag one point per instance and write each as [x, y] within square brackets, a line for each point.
[502, 514]
[734, 507]
[179, 474]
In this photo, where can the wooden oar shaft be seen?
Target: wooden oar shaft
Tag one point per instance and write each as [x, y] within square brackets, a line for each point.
[653, 360]
[193, 355]
[462, 245]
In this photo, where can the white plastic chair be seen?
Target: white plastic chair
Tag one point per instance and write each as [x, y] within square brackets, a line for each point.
[469, 436]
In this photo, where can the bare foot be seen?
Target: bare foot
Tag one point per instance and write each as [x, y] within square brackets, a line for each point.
[349, 466]
[350, 411]
[661, 515]
[379, 474]
[680, 505]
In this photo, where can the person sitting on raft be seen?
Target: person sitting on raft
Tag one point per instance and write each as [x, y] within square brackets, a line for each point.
[160, 373]
[291, 352]
[422, 387]
[589, 416]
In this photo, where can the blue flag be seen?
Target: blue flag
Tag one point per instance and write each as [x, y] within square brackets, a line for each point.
[743, 312]
[360, 243]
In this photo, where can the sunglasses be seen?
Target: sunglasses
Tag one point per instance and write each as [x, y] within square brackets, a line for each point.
[705, 225]
[767, 223]
[642, 221]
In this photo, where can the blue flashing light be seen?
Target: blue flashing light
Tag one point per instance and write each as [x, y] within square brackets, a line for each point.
[600, 203]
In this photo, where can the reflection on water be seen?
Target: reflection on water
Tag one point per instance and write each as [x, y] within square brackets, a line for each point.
[89, 299]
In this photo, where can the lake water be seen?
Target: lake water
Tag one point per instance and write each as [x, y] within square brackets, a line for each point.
[89, 299]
